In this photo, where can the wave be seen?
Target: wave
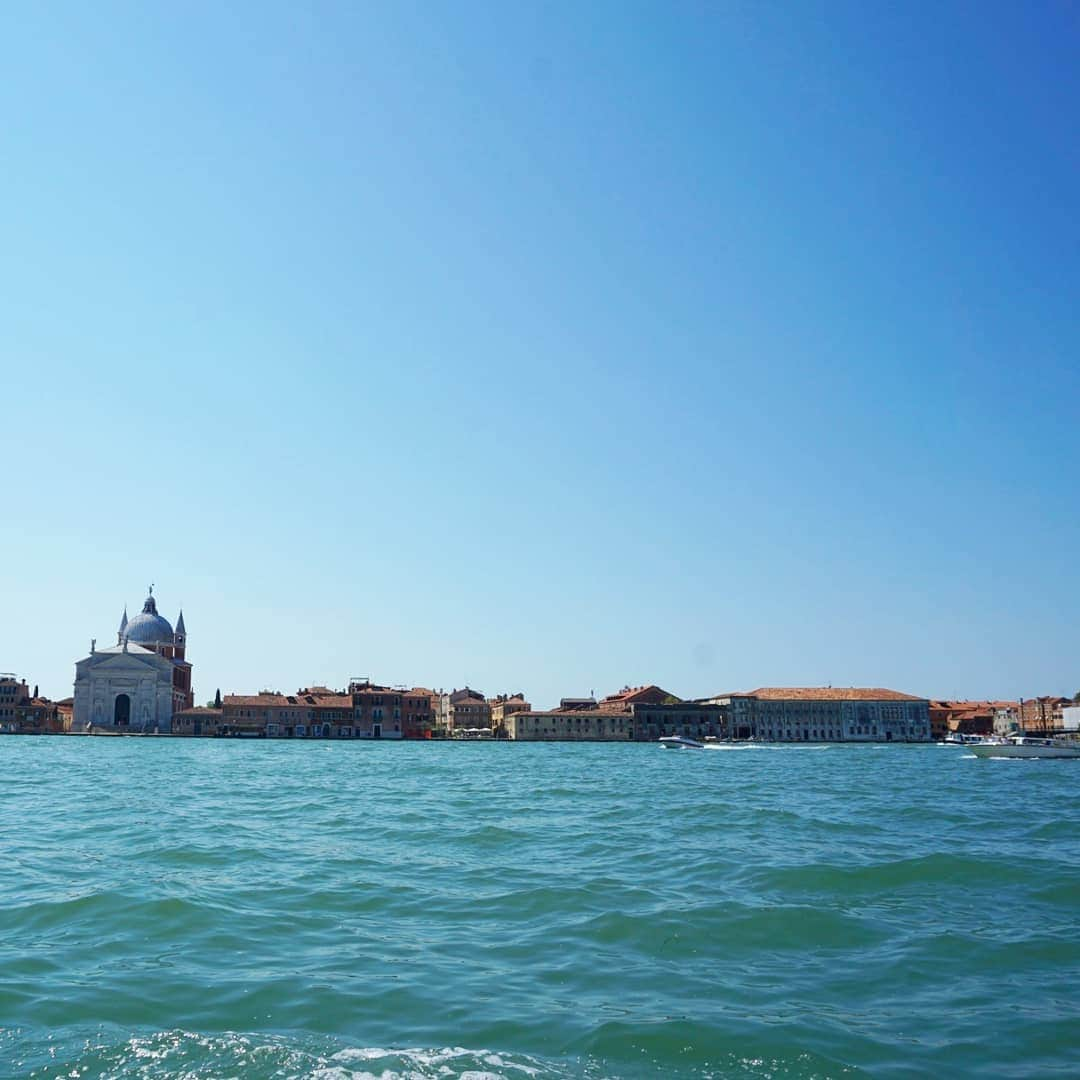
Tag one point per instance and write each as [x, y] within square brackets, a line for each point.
[195, 1056]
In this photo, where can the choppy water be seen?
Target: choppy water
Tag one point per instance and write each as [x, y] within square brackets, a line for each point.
[222, 909]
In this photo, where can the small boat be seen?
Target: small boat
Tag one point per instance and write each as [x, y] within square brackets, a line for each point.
[959, 739]
[1028, 746]
[680, 742]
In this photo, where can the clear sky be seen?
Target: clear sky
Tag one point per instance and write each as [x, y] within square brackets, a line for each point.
[545, 346]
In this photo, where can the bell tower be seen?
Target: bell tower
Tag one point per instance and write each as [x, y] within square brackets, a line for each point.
[180, 637]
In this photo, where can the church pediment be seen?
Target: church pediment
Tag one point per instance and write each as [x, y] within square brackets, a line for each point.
[120, 662]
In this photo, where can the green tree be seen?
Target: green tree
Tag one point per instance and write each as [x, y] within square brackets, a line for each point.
[217, 699]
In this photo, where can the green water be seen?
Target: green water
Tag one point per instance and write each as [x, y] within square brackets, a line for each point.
[208, 908]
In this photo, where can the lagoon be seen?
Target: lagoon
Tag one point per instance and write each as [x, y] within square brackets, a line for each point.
[213, 908]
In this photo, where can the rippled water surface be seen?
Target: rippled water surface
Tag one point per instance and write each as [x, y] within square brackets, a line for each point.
[208, 908]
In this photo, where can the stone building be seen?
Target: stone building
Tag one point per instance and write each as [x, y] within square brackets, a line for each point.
[14, 693]
[138, 683]
[422, 723]
[38, 716]
[634, 714]
[570, 725]
[198, 720]
[462, 710]
[365, 711]
[385, 712]
[65, 709]
[504, 706]
[826, 714]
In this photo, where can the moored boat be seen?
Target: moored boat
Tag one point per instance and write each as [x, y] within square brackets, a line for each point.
[1027, 746]
[680, 742]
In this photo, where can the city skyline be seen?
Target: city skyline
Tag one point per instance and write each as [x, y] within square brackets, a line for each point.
[546, 348]
[491, 686]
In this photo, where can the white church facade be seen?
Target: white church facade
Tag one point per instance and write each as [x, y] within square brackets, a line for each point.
[137, 684]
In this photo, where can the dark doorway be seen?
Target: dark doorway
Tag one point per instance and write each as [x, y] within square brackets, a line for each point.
[122, 711]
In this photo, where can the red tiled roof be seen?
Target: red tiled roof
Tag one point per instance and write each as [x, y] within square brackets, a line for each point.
[630, 694]
[256, 699]
[828, 693]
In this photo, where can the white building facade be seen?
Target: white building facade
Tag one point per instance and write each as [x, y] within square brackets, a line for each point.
[125, 688]
[137, 684]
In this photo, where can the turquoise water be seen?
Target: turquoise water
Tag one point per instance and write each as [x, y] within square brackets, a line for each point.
[208, 908]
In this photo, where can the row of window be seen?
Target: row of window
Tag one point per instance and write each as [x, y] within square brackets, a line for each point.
[835, 734]
[323, 731]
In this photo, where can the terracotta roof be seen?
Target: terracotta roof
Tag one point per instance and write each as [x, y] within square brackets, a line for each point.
[828, 693]
[630, 694]
[466, 693]
[256, 699]
[332, 701]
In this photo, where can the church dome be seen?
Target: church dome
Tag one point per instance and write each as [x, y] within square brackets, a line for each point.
[148, 627]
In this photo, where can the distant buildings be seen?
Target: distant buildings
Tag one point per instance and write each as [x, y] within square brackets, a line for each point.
[997, 717]
[504, 706]
[768, 714]
[142, 684]
[24, 712]
[971, 718]
[138, 683]
[14, 693]
[38, 716]
[1043, 713]
[463, 710]
[65, 712]
[197, 721]
[826, 714]
[383, 712]
[365, 711]
[634, 714]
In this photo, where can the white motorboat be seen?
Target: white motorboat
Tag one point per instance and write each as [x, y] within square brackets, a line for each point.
[1027, 746]
[958, 739]
[680, 742]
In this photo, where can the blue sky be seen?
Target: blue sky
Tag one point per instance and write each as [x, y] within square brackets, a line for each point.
[546, 347]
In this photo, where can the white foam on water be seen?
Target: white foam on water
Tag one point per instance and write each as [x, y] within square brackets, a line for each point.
[415, 1063]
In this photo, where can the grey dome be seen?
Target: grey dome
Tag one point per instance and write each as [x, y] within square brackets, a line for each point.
[148, 627]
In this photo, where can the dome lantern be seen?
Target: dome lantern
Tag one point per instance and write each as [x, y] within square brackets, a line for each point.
[148, 627]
